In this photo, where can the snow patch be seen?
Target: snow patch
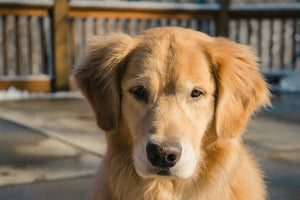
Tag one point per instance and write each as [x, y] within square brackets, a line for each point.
[14, 94]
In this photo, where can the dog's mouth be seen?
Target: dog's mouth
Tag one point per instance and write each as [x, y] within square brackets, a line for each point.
[162, 172]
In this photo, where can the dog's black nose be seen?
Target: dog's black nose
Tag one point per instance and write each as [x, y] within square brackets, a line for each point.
[164, 155]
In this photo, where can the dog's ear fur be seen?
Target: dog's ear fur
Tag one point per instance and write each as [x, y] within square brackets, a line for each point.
[241, 89]
[97, 76]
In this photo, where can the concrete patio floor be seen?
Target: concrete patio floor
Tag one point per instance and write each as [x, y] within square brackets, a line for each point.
[51, 148]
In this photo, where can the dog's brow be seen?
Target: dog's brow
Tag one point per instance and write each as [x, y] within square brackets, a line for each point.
[134, 82]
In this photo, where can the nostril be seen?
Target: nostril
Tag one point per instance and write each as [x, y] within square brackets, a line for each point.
[171, 157]
[153, 153]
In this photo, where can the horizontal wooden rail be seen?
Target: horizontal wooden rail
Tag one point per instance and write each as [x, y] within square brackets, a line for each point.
[21, 8]
[29, 83]
[26, 5]
[19, 12]
[142, 10]
[260, 11]
[139, 15]
[33, 83]
[143, 6]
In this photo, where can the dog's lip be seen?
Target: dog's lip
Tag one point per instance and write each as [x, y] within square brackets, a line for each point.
[163, 172]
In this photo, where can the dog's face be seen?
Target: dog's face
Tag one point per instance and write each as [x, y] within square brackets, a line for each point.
[168, 97]
[173, 88]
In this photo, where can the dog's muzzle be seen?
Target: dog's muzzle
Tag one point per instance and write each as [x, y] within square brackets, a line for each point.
[164, 155]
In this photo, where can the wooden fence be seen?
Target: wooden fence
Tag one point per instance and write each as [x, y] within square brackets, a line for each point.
[40, 43]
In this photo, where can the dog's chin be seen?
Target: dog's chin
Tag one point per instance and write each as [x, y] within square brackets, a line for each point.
[163, 173]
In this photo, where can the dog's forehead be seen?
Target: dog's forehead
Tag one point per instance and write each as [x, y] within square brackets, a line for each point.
[169, 58]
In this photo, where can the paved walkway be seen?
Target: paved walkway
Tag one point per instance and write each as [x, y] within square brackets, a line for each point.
[50, 149]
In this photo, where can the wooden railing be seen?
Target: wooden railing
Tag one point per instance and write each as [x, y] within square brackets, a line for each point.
[25, 55]
[38, 52]
[103, 18]
[274, 31]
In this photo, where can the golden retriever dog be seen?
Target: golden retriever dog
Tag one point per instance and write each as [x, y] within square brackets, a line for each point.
[173, 103]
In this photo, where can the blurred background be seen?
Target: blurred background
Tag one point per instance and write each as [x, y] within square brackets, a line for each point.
[50, 147]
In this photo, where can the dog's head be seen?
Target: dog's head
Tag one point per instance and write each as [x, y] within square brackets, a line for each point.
[174, 89]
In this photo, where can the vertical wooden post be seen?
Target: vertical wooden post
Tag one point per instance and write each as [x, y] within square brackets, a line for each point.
[74, 43]
[30, 39]
[44, 68]
[18, 46]
[223, 18]
[60, 45]
[294, 44]
[271, 42]
[5, 50]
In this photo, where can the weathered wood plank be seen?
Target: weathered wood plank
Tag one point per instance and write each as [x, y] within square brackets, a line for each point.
[260, 11]
[44, 60]
[25, 11]
[74, 42]
[222, 21]
[30, 41]
[60, 44]
[18, 46]
[5, 50]
[140, 15]
[31, 85]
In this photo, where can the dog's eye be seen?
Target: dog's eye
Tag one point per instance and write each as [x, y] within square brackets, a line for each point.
[139, 93]
[196, 93]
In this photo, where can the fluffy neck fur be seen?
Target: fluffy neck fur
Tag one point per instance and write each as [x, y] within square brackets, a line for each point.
[220, 176]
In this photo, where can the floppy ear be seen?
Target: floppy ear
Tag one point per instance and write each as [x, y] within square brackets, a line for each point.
[241, 88]
[97, 77]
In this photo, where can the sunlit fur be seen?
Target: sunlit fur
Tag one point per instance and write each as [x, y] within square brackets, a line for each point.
[169, 63]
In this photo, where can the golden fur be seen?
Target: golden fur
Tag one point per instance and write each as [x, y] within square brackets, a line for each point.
[169, 63]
